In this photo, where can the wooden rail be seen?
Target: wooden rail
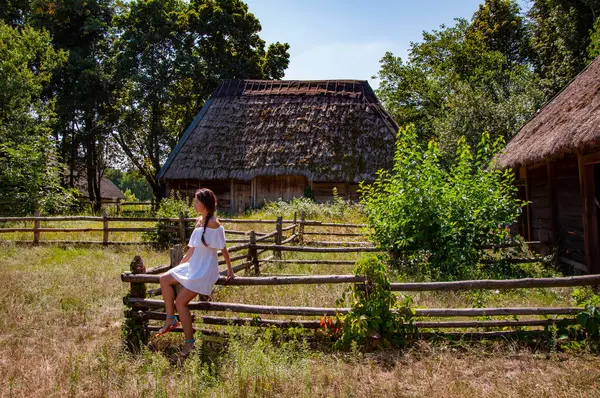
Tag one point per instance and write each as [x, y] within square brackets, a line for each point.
[318, 311]
[586, 280]
[258, 281]
[144, 308]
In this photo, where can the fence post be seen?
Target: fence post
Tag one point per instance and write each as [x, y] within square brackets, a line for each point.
[279, 236]
[181, 227]
[118, 206]
[176, 256]
[135, 327]
[252, 253]
[301, 228]
[36, 228]
[294, 229]
[105, 227]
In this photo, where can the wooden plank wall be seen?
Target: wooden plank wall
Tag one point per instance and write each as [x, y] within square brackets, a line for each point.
[569, 205]
[323, 191]
[242, 196]
[540, 207]
[221, 188]
[272, 188]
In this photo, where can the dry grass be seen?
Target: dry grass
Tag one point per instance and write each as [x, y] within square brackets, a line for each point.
[60, 335]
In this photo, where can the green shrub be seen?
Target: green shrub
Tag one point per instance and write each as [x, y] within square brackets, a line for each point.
[170, 207]
[431, 216]
[339, 209]
[376, 318]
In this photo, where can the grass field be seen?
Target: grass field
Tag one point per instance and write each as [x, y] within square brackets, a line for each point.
[60, 335]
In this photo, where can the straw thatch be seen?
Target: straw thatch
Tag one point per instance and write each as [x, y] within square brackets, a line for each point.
[323, 130]
[570, 122]
[108, 190]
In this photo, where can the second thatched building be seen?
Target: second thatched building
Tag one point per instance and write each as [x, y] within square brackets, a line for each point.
[257, 141]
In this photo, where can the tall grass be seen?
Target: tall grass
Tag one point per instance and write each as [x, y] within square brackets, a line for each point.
[60, 335]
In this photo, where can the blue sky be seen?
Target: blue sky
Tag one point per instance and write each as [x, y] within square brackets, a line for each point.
[345, 39]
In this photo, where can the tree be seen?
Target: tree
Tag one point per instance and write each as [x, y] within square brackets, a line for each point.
[560, 38]
[131, 180]
[14, 12]
[172, 55]
[29, 171]
[503, 29]
[593, 49]
[81, 87]
[454, 84]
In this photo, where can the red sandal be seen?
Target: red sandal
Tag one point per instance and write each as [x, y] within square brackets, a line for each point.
[169, 328]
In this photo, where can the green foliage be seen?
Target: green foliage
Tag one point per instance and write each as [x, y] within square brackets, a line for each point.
[433, 218]
[593, 49]
[134, 334]
[503, 29]
[170, 207]
[82, 86]
[590, 320]
[338, 210]
[376, 318]
[585, 295]
[463, 80]
[171, 56]
[133, 181]
[29, 170]
[560, 39]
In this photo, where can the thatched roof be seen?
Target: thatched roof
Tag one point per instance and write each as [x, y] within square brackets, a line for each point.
[108, 190]
[570, 122]
[325, 130]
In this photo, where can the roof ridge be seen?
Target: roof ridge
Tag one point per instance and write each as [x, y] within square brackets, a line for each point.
[353, 88]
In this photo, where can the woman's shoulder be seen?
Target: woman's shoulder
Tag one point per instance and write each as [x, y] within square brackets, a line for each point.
[213, 223]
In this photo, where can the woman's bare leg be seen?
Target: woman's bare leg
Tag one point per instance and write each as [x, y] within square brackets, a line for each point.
[183, 299]
[166, 286]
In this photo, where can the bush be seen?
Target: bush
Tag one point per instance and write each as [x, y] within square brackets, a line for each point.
[432, 217]
[339, 209]
[170, 207]
[376, 318]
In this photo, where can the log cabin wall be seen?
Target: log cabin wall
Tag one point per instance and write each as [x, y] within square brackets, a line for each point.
[540, 213]
[272, 188]
[555, 215]
[569, 203]
[323, 191]
[221, 188]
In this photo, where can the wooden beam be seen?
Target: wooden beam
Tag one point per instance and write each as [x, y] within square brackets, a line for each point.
[576, 265]
[528, 207]
[259, 281]
[232, 204]
[320, 249]
[587, 280]
[590, 225]
[316, 324]
[319, 311]
[550, 176]
[592, 158]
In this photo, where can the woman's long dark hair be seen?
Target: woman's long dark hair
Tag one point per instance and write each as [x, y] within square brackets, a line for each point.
[209, 200]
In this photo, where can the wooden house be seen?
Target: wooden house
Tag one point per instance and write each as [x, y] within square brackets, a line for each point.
[257, 141]
[556, 158]
[109, 192]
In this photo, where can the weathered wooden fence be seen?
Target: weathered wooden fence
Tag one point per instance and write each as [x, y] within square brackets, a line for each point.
[144, 309]
[180, 227]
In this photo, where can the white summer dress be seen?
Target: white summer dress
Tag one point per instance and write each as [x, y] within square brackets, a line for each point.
[202, 271]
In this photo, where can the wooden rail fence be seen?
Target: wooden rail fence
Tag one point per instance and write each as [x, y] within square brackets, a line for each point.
[144, 309]
[180, 226]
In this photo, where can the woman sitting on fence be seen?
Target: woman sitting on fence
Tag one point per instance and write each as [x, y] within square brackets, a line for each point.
[198, 271]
